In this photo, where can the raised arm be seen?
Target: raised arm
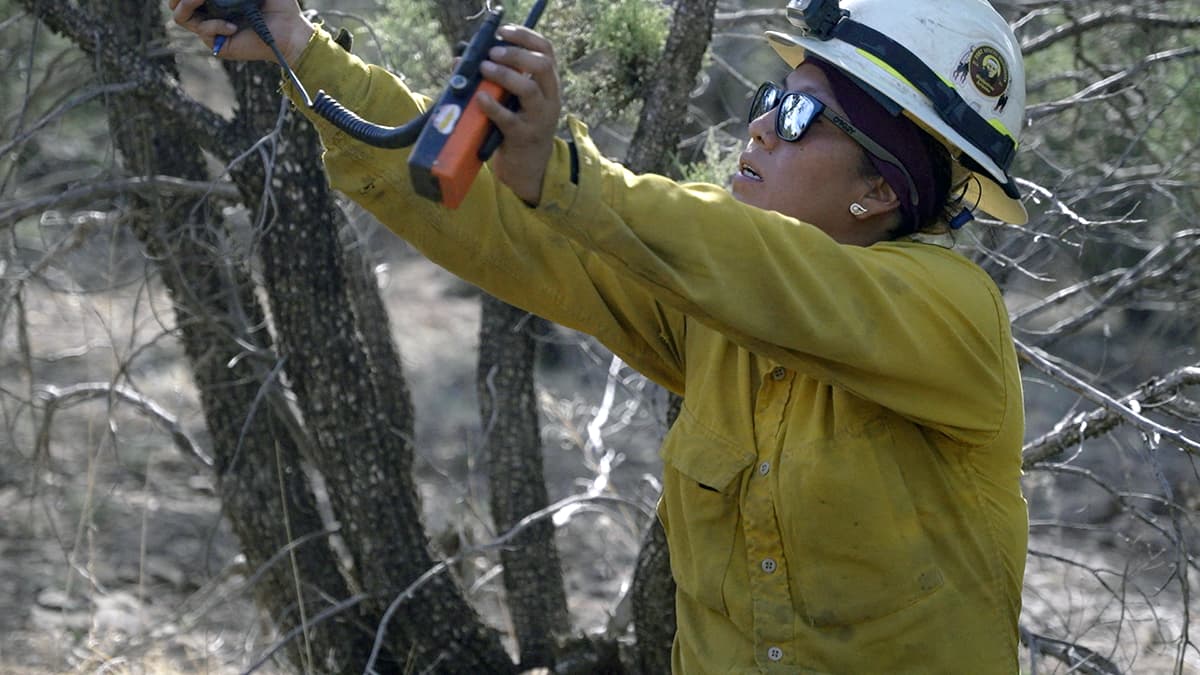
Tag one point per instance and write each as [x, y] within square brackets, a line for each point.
[494, 239]
[912, 326]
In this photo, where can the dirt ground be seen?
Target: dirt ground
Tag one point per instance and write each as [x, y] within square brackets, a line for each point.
[114, 557]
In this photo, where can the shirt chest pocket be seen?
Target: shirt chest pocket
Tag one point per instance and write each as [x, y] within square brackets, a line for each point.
[852, 529]
[702, 480]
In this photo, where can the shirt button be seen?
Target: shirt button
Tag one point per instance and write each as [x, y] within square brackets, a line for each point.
[779, 373]
[775, 654]
[768, 565]
[764, 468]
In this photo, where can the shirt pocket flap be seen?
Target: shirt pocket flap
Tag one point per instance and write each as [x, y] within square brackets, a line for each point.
[702, 455]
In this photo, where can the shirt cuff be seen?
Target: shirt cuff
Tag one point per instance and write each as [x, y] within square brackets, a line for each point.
[573, 181]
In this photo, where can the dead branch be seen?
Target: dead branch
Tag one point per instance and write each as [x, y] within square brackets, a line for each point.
[566, 504]
[65, 107]
[1104, 18]
[55, 398]
[1080, 659]
[146, 186]
[1108, 86]
[1045, 363]
[162, 89]
[1068, 293]
[1149, 269]
[1100, 421]
[1126, 500]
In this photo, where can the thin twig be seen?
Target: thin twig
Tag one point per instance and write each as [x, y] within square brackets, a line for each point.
[14, 210]
[501, 541]
[1111, 411]
[55, 398]
[1081, 659]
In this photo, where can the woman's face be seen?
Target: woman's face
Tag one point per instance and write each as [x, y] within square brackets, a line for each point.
[814, 179]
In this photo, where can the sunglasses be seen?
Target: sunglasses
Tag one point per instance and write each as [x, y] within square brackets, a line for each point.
[798, 111]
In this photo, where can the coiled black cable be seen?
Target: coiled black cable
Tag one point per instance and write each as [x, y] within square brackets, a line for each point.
[328, 108]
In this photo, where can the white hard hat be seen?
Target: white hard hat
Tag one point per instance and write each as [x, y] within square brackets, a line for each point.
[953, 66]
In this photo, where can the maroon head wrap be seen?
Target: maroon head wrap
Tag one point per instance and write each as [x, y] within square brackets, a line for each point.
[900, 136]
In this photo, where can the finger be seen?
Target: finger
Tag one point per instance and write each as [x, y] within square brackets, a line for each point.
[516, 83]
[183, 11]
[524, 60]
[527, 38]
[508, 121]
[540, 67]
[209, 30]
[533, 54]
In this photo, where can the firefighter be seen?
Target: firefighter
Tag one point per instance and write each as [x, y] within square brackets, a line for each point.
[840, 490]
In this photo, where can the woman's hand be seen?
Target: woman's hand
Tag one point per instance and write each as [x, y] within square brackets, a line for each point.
[526, 69]
[288, 26]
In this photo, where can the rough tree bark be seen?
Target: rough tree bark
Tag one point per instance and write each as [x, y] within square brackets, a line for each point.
[665, 105]
[361, 448]
[265, 494]
[341, 368]
[356, 425]
[533, 579]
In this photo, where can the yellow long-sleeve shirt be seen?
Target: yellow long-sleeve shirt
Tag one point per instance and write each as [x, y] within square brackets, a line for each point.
[841, 490]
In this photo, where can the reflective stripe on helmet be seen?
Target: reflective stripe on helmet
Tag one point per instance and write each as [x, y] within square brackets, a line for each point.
[994, 140]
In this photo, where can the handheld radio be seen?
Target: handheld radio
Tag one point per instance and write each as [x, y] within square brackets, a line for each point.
[459, 138]
[452, 139]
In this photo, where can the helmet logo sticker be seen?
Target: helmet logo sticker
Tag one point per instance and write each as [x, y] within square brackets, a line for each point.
[987, 71]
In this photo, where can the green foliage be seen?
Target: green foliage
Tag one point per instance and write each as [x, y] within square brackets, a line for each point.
[605, 50]
[720, 153]
[411, 44]
[633, 31]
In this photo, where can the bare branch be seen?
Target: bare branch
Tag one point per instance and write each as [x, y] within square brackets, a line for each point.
[1103, 18]
[161, 87]
[12, 211]
[1110, 414]
[1108, 86]
[63, 108]
[1149, 269]
[565, 504]
[55, 398]
[1080, 659]
[1067, 293]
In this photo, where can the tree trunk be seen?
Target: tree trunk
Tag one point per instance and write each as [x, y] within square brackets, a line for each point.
[360, 444]
[653, 603]
[330, 348]
[666, 96]
[265, 493]
[533, 579]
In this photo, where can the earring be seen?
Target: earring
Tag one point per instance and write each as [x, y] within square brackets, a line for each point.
[858, 209]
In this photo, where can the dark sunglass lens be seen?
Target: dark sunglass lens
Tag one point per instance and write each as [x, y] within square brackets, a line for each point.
[764, 100]
[792, 120]
[796, 113]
